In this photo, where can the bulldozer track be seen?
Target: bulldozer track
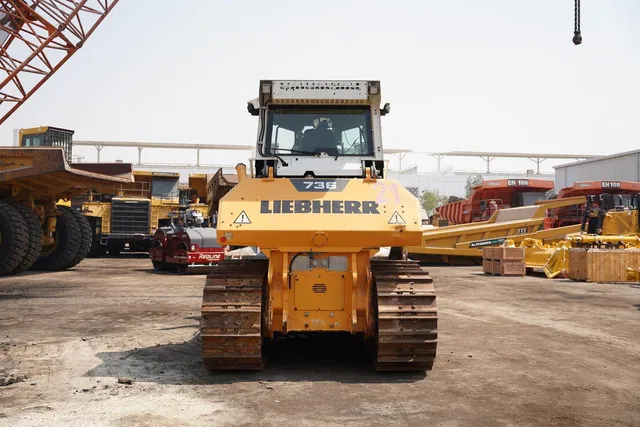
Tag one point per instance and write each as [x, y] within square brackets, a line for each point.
[407, 318]
[231, 328]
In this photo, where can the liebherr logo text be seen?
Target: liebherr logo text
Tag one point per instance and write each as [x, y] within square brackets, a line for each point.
[319, 206]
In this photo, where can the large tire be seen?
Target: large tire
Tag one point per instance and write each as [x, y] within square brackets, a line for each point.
[14, 238]
[86, 237]
[65, 250]
[34, 230]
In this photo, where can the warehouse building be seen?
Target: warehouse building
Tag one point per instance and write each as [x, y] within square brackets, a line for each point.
[617, 167]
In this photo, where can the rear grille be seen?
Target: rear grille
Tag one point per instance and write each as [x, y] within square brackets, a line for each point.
[319, 288]
[130, 216]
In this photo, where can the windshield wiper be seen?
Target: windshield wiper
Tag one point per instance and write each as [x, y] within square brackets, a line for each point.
[296, 151]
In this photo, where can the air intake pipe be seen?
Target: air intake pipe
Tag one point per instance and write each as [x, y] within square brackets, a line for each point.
[241, 170]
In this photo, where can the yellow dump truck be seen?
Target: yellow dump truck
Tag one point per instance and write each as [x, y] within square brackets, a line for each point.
[129, 214]
[37, 232]
[319, 207]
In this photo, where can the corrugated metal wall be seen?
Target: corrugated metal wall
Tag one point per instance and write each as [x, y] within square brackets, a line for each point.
[619, 168]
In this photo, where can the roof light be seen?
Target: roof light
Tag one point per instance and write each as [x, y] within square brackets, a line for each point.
[373, 90]
[266, 89]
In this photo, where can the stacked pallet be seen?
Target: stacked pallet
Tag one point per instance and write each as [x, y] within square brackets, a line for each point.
[604, 265]
[503, 261]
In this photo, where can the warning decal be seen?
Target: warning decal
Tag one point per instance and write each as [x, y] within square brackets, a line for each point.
[242, 219]
[396, 219]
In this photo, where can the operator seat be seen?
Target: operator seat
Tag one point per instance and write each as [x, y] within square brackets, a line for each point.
[320, 139]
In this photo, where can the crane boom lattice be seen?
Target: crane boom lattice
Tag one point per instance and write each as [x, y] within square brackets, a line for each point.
[36, 38]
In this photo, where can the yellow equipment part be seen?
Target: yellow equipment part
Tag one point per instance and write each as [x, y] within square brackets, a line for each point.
[621, 223]
[517, 224]
[353, 226]
[341, 215]
[553, 258]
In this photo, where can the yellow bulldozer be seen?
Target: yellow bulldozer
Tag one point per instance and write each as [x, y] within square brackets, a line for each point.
[36, 230]
[319, 207]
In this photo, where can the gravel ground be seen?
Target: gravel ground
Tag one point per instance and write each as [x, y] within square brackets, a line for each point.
[523, 351]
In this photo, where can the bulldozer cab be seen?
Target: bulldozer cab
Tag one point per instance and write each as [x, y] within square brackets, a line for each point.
[47, 136]
[319, 128]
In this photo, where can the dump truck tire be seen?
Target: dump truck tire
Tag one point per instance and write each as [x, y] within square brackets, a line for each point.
[86, 237]
[66, 247]
[34, 230]
[14, 238]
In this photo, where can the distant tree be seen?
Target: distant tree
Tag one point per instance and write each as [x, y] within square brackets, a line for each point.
[431, 199]
[452, 199]
[472, 181]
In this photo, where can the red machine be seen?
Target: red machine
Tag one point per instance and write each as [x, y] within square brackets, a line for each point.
[186, 246]
[492, 195]
[573, 214]
[37, 38]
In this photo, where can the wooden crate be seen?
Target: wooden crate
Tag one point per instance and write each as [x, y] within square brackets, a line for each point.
[506, 254]
[503, 261]
[602, 265]
[487, 266]
[509, 268]
[495, 269]
[503, 268]
[487, 253]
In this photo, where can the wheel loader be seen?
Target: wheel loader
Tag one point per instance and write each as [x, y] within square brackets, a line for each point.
[38, 228]
[319, 207]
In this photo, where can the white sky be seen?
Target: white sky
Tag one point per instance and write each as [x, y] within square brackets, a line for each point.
[491, 75]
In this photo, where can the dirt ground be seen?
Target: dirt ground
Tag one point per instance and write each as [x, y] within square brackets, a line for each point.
[519, 351]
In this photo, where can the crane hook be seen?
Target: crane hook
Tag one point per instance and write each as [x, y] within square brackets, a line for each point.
[577, 35]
